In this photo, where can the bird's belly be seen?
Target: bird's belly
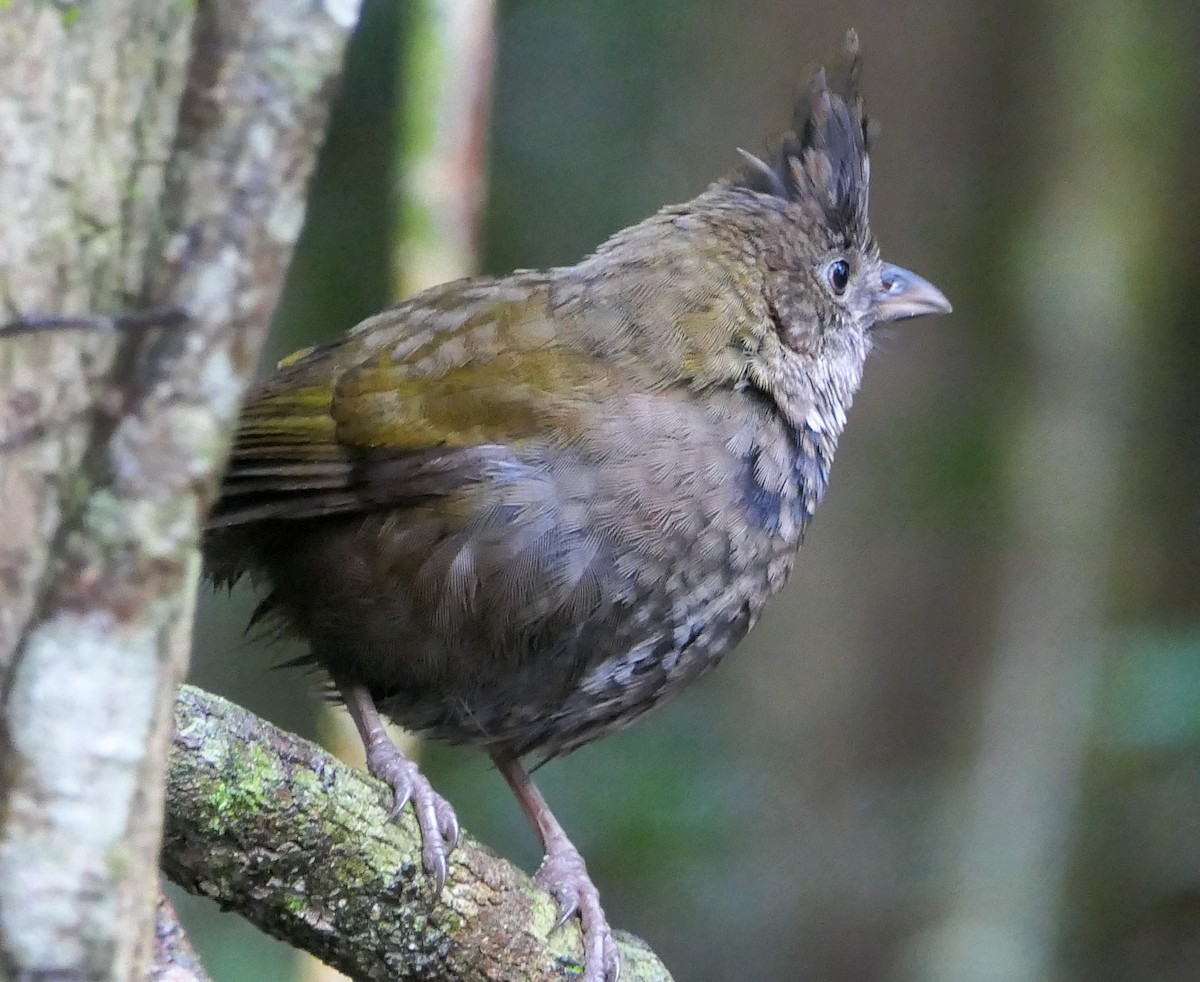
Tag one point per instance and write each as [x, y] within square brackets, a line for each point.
[562, 596]
[586, 679]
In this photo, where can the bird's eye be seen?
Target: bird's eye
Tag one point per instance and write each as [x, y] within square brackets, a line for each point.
[838, 275]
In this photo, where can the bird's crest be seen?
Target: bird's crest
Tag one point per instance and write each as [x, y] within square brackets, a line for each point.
[822, 162]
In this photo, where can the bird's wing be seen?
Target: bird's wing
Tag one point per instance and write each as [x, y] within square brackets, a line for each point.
[413, 403]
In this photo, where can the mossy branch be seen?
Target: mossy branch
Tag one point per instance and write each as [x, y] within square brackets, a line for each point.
[271, 826]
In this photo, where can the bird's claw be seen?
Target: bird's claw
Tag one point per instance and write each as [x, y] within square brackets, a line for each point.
[565, 877]
[440, 833]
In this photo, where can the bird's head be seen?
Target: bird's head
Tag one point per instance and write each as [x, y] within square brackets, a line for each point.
[825, 282]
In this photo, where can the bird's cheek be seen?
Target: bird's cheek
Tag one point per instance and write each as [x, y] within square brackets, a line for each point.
[801, 335]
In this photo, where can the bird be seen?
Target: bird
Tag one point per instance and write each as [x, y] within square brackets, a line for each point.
[519, 512]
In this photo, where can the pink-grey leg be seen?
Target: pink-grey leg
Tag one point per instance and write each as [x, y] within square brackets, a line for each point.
[565, 877]
[435, 816]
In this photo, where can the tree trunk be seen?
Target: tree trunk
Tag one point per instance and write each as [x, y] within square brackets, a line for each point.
[152, 155]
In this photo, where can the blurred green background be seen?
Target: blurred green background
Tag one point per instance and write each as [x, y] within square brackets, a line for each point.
[965, 743]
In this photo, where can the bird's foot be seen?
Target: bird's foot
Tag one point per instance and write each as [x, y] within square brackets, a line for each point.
[435, 816]
[565, 877]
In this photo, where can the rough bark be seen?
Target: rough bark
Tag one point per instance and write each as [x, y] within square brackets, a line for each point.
[300, 844]
[151, 154]
[174, 958]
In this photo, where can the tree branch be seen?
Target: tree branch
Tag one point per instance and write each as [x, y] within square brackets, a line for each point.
[174, 958]
[270, 825]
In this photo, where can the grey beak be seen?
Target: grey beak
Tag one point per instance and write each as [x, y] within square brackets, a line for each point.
[906, 294]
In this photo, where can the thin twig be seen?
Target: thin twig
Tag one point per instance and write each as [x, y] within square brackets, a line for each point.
[139, 320]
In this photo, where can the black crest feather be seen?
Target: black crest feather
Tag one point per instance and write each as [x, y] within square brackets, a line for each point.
[822, 162]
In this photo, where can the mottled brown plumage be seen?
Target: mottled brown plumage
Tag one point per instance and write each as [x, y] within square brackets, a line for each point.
[520, 512]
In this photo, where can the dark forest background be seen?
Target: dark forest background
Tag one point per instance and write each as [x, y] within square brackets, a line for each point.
[965, 743]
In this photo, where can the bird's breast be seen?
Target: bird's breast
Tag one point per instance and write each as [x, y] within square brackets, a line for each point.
[700, 527]
[582, 581]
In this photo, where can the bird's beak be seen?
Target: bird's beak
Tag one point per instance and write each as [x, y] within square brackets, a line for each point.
[906, 294]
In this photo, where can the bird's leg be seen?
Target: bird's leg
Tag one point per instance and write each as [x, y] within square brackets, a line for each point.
[564, 876]
[435, 816]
